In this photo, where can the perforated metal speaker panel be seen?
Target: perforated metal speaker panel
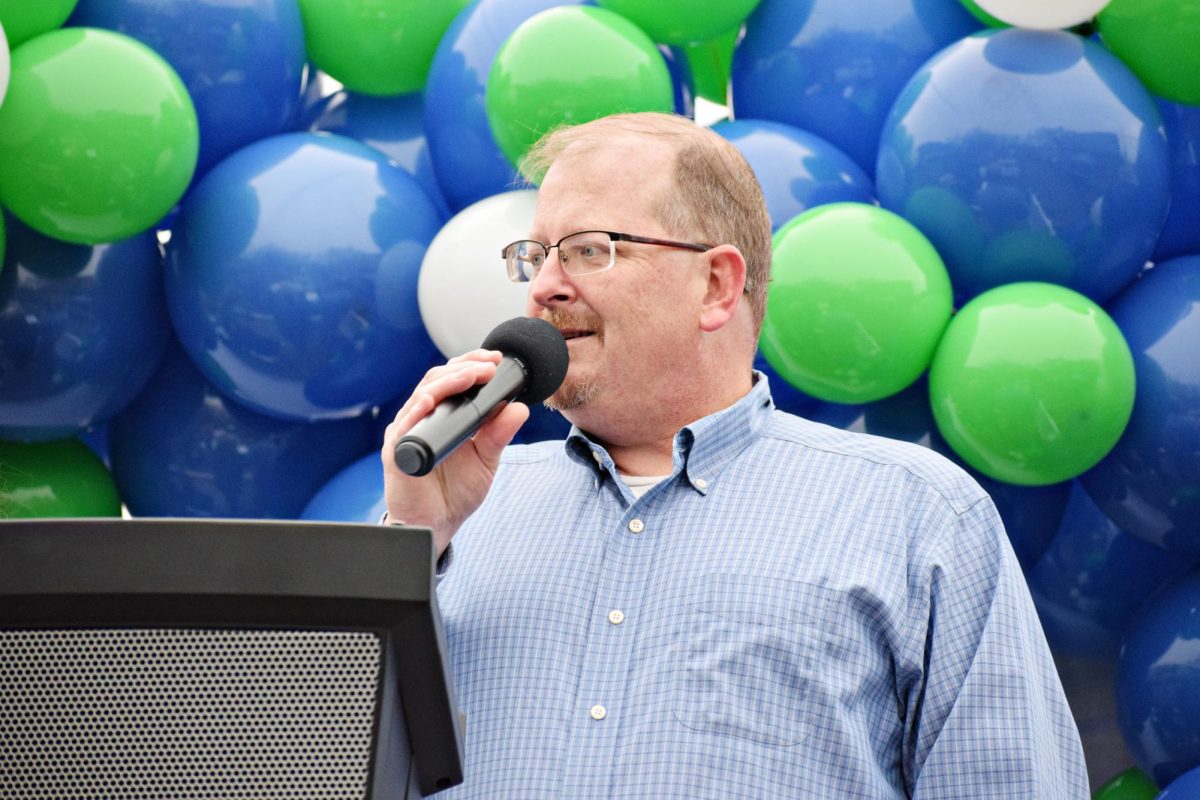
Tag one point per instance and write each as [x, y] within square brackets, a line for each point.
[159, 714]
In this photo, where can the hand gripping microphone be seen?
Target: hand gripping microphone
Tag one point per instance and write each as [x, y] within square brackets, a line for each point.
[533, 367]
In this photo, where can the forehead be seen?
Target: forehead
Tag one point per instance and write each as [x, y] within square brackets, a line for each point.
[610, 185]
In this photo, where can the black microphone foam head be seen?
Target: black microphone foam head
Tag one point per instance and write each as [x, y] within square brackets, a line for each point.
[540, 347]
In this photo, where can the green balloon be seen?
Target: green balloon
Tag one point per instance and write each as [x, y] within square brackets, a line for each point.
[983, 16]
[1032, 384]
[98, 136]
[682, 21]
[857, 303]
[373, 47]
[3, 241]
[570, 65]
[1160, 41]
[55, 479]
[710, 63]
[1132, 784]
[25, 19]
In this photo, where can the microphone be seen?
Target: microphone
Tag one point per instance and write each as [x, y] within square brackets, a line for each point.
[533, 367]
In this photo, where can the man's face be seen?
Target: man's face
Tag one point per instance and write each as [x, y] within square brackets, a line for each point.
[632, 327]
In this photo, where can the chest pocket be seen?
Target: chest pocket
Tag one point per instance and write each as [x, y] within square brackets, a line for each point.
[750, 653]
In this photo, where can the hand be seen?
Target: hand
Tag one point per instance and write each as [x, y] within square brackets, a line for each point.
[449, 494]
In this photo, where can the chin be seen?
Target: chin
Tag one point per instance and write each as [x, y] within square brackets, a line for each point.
[572, 394]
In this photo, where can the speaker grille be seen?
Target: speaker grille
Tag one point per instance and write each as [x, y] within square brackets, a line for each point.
[159, 714]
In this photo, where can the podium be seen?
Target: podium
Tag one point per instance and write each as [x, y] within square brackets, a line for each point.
[187, 658]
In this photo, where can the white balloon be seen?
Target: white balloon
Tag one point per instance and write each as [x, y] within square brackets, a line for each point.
[4, 64]
[463, 290]
[1042, 14]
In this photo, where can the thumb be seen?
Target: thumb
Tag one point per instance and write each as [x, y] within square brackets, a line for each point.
[491, 438]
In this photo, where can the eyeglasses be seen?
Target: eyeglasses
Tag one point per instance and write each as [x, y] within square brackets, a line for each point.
[579, 253]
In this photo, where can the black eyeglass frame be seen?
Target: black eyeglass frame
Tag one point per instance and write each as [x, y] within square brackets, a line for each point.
[613, 236]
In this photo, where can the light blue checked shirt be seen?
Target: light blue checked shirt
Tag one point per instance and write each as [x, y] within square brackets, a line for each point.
[797, 612]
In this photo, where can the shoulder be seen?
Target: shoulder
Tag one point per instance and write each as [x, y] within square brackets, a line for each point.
[873, 460]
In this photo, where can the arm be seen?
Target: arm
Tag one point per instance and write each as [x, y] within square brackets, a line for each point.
[449, 494]
[987, 717]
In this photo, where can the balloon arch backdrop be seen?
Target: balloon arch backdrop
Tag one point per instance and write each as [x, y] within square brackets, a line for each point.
[235, 233]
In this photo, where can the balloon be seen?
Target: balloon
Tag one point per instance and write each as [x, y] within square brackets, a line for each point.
[183, 449]
[1093, 579]
[466, 158]
[1157, 39]
[797, 170]
[709, 63]
[1028, 156]
[1032, 383]
[1185, 787]
[24, 20]
[393, 126]
[291, 276]
[241, 60]
[1158, 671]
[682, 21]
[571, 64]
[903, 416]
[857, 302]
[983, 16]
[1042, 15]
[376, 48]
[833, 68]
[785, 396]
[55, 479]
[1181, 233]
[5, 64]
[353, 495]
[81, 330]
[1150, 483]
[98, 137]
[463, 290]
[1132, 784]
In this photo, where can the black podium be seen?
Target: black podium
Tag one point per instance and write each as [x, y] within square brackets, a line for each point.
[185, 658]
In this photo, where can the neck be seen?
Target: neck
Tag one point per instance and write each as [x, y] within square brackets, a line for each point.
[641, 440]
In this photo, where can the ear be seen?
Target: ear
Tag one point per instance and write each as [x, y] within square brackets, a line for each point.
[726, 282]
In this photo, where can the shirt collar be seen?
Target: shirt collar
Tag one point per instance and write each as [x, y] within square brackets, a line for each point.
[702, 448]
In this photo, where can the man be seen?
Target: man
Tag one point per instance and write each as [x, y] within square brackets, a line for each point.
[696, 595]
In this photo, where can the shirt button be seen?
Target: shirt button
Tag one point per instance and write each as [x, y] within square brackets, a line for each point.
[701, 484]
[616, 616]
[636, 526]
[598, 712]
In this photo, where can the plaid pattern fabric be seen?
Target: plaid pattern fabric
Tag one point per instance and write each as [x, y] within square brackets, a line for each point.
[797, 612]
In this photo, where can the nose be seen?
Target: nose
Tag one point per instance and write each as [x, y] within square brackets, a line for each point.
[551, 286]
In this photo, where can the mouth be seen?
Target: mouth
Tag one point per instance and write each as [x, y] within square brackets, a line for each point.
[572, 333]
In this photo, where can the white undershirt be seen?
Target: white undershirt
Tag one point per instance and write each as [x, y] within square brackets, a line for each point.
[640, 484]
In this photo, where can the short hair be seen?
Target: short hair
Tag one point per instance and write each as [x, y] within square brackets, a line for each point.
[716, 197]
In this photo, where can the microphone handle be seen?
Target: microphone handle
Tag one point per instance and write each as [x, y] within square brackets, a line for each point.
[457, 418]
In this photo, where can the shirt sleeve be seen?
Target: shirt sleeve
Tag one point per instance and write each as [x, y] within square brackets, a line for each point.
[987, 717]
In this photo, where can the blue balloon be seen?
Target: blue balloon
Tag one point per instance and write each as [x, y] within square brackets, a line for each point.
[785, 396]
[184, 449]
[834, 68]
[241, 60]
[1185, 787]
[797, 169]
[81, 330]
[392, 125]
[353, 495]
[96, 438]
[1093, 579]
[292, 277]
[1181, 233]
[467, 160]
[1158, 682]
[1028, 156]
[1149, 483]
[904, 416]
[683, 85]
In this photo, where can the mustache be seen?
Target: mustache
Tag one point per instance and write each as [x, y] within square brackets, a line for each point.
[578, 320]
